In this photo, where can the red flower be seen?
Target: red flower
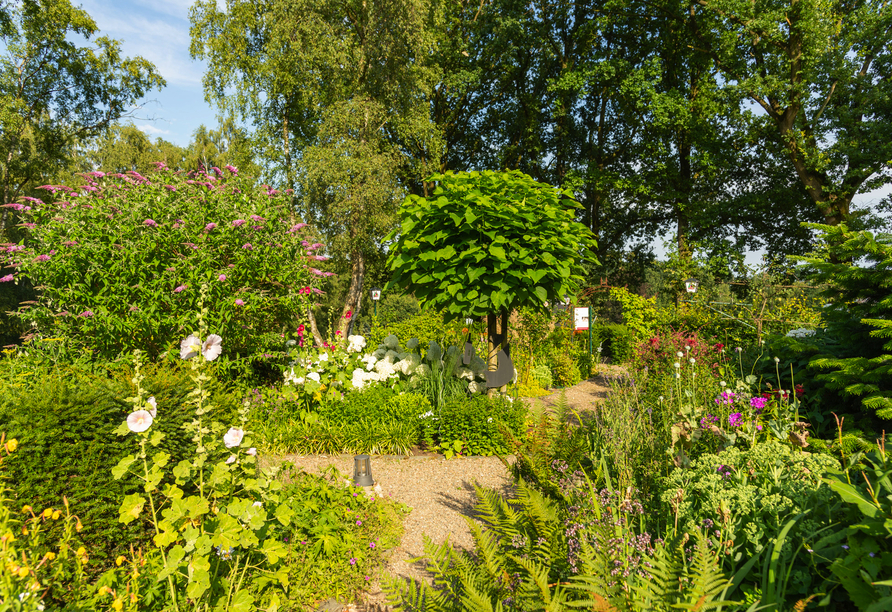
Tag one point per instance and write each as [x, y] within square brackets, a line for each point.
[348, 315]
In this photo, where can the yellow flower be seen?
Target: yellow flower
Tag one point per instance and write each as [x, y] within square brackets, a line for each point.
[23, 572]
[117, 604]
[104, 590]
[56, 514]
[79, 525]
[11, 445]
[50, 556]
[26, 509]
[48, 513]
[120, 560]
[7, 537]
[80, 551]
[133, 598]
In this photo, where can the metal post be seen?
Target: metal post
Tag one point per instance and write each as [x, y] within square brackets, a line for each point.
[589, 333]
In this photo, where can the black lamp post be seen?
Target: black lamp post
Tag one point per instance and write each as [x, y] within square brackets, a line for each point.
[362, 471]
[376, 295]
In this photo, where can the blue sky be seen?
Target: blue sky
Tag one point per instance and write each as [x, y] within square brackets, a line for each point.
[158, 30]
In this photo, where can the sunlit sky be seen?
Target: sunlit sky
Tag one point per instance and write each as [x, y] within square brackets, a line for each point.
[158, 30]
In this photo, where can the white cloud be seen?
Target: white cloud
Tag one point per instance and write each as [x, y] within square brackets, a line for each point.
[151, 129]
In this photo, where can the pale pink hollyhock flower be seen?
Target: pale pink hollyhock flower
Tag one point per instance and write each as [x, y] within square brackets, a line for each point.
[233, 437]
[212, 347]
[139, 421]
[251, 451]
[221, 278]
[154, 406]
[231, 459]
[190, 347]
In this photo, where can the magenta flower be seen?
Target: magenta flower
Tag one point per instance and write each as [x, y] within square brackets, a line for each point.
[759, 402]
[294, 228]
[180, 289]
[170, 187]
[150, 222]
[735, 419]
[359, 522]
[239, 303]
[86, 313]
[257, 218]
[352, 560]
[210, 227]
[232, 169]
[238, 223]
[315, 271]
[42, 258]
[221, 278]
[248, 247]
[7, 278]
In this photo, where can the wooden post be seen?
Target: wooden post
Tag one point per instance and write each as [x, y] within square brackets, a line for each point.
[491, 348]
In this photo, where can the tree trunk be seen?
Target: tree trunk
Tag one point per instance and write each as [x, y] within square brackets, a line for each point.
[354, 294]
[492, 349]
[317, 337]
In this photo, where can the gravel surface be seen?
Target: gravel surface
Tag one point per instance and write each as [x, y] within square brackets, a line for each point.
[440, 492]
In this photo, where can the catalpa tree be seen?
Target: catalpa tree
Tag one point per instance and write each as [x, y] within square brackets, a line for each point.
[486, 243]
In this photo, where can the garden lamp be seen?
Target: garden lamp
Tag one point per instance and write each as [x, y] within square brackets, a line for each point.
[376, 295]
[362, 471]
[691, 285]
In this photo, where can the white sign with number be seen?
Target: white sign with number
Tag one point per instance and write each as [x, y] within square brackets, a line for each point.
[376, 295]
[580, 316]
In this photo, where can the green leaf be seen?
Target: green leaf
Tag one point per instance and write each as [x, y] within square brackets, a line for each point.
[131, 508]
[119, 470]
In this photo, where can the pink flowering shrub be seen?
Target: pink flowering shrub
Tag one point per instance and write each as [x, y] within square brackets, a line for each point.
[133, 252]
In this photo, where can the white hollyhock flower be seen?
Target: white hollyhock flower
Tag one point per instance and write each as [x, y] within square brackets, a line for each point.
[233, 437]
[139, 421]
[153, 406]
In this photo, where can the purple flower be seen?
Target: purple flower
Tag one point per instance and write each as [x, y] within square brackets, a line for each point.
[221, 278]
[359, 522]
[6, 278]
[170, 187]
[758, 402]
[315, 271]
[371, 545]
[232, 169]
[257, 218]
[735, 419]
[352, 560]
[86, 313]
[239, 303]
[294, 228]
[180, 289]
[727, 397]
[210, 227]
[42, 258]
[248, 247]
[238, 222]
[150, 222]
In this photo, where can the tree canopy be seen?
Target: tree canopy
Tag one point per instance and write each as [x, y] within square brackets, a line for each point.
[489, 242]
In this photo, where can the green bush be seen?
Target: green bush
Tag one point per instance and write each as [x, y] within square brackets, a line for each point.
[542, 375]
[748, 496]
[482, 425]
[564, 370]
[120, 266]
[617, 341]
[65, 421]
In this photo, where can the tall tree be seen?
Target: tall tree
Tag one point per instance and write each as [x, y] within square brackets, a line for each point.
[125, 147]
[55, 93]
[337, 92]
[817, 73]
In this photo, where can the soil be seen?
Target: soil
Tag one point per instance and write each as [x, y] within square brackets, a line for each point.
[440, 492]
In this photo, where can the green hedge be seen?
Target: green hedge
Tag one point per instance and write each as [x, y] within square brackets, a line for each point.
[65, 421]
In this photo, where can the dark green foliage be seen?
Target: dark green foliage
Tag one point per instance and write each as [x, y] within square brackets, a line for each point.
[856, 268]
[481, 423]
[617, 341]
[65, 421]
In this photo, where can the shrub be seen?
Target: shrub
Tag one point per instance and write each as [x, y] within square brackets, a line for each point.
[542, 375]
[564, 370]
[747, 496]
[616, 341]
[120, 265]
[66, 422]
[481, 424]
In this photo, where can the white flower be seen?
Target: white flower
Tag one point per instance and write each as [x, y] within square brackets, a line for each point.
[154, 406]
[212, 347]
[692, 360]
[231, 459]
[251, 451]
[356, 344]
[391, 342]
[412, 344]
[661, 398]
[800, 333]
[723, 383]
[677, 365]
[466, 373]
[323, 356]
[299, 381]
[233, 437]
[489, 419]
[474, 387]
[687, 348]
[257, 504]
[190, 347]
[680, 354]
[139, 421]
[313, 376]
[777, 360]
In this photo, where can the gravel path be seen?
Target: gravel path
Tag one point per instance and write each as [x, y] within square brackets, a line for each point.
[439, 491]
